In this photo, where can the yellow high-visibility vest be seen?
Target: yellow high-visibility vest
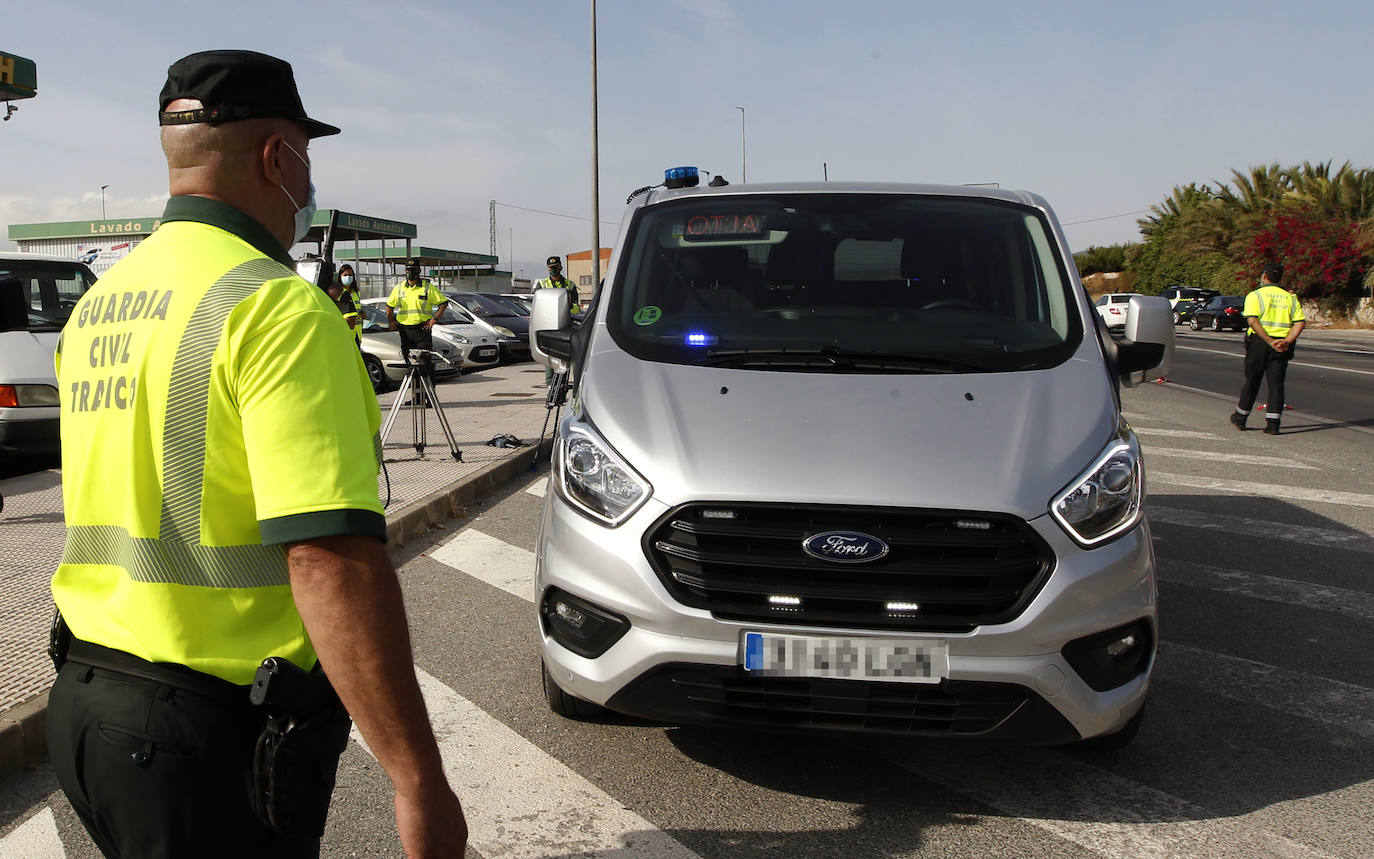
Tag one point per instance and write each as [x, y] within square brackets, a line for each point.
[414, 304]
[213, 411]
[1276, 308]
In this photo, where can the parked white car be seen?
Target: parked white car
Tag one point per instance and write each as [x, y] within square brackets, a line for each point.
[476, 346]
[32, 313]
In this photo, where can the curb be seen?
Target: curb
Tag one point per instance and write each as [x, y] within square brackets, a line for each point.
[23, 728]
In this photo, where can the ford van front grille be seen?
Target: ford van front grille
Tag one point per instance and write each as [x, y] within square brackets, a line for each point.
[938, 570]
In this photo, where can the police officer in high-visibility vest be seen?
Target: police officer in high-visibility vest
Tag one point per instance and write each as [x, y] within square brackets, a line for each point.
[413, 308]
[556, 280]
[219, 479]
[1276, 319]
[350, 302]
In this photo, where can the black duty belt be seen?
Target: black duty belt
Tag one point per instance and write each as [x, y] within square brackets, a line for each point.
[167, 673]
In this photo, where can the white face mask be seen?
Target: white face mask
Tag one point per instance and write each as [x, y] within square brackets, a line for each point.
[304, 214]
[347, 280]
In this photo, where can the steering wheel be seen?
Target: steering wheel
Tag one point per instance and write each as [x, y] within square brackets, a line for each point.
[952, 303]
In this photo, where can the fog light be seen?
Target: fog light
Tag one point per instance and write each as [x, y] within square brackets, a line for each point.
[580, 626]
[1112, 658]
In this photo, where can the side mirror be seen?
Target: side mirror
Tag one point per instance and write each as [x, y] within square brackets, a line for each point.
[551, 312]
[1147, 342]
[14, 305]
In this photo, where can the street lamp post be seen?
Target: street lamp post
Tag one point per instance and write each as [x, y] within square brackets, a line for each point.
[596, 180]
[743, 173]
[102, 201]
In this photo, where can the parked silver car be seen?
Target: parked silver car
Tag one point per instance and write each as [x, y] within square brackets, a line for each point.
[848, 457]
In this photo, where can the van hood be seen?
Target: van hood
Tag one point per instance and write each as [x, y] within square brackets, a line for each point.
[985, 441]
[26, 357]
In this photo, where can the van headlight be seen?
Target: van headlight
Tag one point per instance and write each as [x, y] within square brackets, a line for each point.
[596, 480]
[1105, 500]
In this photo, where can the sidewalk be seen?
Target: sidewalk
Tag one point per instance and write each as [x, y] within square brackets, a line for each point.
[424, 490]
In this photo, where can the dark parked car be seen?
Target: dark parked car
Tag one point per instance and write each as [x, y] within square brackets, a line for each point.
[501, 317]
[1224, 311]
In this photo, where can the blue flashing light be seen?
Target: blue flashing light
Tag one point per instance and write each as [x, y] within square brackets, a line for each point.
[681, 177]
[698, 338]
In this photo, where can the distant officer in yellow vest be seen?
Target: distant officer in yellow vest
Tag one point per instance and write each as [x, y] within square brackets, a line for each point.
[219, 479]
[1276, 319]
[345, 295]
[413, 308]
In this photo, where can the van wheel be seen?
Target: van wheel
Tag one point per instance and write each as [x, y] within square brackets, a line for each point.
[377, 373]
[1176, 319]
[564, 704]
[1117, 739]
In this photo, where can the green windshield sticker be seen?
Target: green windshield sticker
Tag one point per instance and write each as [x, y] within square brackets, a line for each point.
[647, 315]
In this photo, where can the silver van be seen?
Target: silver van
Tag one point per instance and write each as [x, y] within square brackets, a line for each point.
[37, 294]
[848, 457]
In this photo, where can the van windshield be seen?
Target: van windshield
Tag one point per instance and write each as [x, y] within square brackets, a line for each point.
[844, 282]
[50, 289]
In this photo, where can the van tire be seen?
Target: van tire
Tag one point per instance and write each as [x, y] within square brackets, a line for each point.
[1116, 740]
[564, 704]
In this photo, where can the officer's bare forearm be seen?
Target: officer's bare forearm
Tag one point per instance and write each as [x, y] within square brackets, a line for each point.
[347, 593]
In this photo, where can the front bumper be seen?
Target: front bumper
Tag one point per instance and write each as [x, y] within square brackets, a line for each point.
[1008, 681]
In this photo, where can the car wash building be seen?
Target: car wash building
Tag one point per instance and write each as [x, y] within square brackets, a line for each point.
[377, 248]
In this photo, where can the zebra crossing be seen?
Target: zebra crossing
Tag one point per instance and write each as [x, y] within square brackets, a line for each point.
[1115, 808]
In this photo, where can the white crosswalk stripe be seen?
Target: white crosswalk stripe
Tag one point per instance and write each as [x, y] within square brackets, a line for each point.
[1097, 810]
[1269, 588]
[1267, 490]
[1305, 535]
[521, 801]
[1231, 458]
[35, 838]
[493, 561]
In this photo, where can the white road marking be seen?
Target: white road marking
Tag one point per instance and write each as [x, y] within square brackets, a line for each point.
[1148, 431]
[1344, 706]
[1291, 363]
[493, 561]
[539, 486]
[1096, 809]
[1287, 592]
[35, 838]
[1306, 535]
[1268, 490]
[521, 801]
[1236, 458]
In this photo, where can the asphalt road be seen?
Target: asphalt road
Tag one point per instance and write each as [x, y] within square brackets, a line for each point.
[1257, 740]
[1330, 374]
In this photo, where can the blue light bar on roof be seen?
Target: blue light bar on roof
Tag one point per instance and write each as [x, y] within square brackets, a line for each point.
[681, 177]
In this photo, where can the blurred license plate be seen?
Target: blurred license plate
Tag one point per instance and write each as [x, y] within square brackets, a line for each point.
[486, 352]
[900, 660]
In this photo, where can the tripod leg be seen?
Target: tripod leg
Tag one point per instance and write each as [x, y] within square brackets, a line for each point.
[443, 419]
[417, 412]
[395, 408]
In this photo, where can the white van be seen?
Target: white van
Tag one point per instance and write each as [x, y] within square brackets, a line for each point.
[37, 294]
[848, 457]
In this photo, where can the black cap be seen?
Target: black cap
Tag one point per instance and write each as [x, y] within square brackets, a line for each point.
[554, 261]
[413, 262]
[235, 85]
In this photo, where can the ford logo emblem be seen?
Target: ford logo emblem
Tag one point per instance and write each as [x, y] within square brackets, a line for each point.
[845, 547]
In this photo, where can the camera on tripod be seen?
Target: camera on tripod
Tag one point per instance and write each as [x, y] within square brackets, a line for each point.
[418, 389]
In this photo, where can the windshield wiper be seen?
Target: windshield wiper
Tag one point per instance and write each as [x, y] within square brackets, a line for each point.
[835, 358]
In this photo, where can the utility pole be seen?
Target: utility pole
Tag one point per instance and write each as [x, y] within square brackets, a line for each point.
[491, 216]
[596, 182]
[102, 201]
[743, 172]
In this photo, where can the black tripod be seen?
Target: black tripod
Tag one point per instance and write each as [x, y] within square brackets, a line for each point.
[419, 383]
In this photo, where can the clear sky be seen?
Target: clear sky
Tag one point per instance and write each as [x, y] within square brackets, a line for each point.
[1101, 107]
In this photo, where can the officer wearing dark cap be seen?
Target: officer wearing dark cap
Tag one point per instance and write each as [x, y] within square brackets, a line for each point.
[412, 309]
[220, 489]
